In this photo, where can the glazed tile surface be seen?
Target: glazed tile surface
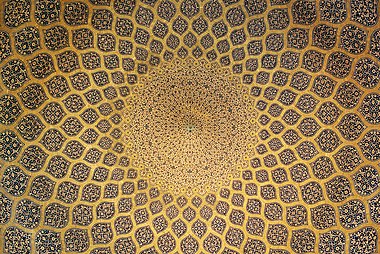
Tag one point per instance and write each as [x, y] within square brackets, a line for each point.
[189, 126]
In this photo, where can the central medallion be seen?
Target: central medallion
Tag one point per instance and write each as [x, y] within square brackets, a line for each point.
[190, 126]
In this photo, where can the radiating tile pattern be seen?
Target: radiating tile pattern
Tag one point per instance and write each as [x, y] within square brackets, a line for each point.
[75, 176]
[191, 126]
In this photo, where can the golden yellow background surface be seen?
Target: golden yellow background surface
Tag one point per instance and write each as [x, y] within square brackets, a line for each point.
[189, 126]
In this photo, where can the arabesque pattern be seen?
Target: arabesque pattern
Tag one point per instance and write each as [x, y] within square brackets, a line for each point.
[115, 114]
[191, 126]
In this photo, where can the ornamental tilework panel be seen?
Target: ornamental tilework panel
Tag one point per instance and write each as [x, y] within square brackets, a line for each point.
[189, 126]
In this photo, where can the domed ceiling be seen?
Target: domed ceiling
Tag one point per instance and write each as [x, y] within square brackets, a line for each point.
[189, 126]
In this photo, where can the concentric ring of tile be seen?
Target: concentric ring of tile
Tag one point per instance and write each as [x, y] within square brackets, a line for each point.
[73, 72]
